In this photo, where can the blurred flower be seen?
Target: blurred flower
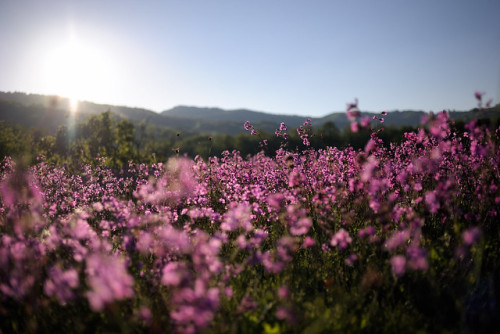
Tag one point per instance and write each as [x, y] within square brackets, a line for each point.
[301, 226]
[308, 242]
[417, 258]
[60, 284]
[341, 239]
[174, 273]
[351, 259]
[432, 201]
[398, 265]
[471, 236]
[239, 215]
[108, 280]
[354, 127]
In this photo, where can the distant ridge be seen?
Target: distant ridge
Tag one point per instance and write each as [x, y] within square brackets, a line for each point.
[235, 115]
[49, 112]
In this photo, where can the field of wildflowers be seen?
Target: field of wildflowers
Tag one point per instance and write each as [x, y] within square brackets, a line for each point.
[386, 239]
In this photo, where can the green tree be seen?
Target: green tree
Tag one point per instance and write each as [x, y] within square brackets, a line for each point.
[14, 140]
[62, 141]
[125, 142]
[96, 138]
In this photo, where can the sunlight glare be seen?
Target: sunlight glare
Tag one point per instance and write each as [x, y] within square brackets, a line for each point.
[73, 105]
[78, 71]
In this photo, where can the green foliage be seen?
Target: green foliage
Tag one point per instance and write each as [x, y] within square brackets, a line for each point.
[14, 140]
[120, 140]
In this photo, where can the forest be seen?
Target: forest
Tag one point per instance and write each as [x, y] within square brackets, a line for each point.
[121, 141]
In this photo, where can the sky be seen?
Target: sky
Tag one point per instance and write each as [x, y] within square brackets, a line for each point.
[301, 57]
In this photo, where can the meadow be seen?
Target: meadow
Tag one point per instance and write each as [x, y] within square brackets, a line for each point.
[389, 238]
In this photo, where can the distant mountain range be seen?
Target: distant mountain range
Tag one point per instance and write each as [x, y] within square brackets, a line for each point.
[47, 113]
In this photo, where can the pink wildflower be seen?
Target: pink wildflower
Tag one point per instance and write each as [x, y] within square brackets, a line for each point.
[398, 265]
[341, 239]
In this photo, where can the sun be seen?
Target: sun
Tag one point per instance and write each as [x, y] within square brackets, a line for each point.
[78, 71]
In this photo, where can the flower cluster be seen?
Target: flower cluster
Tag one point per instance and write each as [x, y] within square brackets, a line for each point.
[243, 244]
[304, 132]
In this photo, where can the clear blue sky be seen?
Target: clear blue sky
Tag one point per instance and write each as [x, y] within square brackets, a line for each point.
[294, 57]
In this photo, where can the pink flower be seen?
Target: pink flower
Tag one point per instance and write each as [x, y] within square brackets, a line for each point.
[398, 265]
[285, 314]
[301, 226]
[341, 239]
[366, 232]
[108, 280]
[308, 242]
[354, 127]
[61, 284]
[397, 239]
[174, 273]
[417, 258]
[374, 205]
[283, 292]
[431, 201]
[238, 216]
[275, 201]
[471, 236]
[351, 259]
[365, 122]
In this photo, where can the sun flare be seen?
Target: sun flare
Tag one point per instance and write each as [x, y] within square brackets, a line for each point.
[78, 71]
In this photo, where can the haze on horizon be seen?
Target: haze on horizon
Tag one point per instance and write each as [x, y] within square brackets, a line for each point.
[283, 57]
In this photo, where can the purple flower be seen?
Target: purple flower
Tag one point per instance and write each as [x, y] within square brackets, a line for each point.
[108, 280]
[374, 205]
[174, 273]
[431, 201]
[60, 284]
[366, 232]
[247, 304]
[417, 258]
[286, 314]
[397, 239]
[471, 236]
[238, 216]
[275, 201]
[351, 259]
[283, 292]
[308, 242]
[398, 265]
[341, 239]
[365, 122]
[301, 227]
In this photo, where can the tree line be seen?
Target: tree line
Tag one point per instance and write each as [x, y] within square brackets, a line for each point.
[120, 141]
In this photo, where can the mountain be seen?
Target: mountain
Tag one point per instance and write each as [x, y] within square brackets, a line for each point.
[237, 115]
[230, 119]
[49, 112]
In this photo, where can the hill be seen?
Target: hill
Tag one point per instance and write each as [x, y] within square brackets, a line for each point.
[47, 113]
